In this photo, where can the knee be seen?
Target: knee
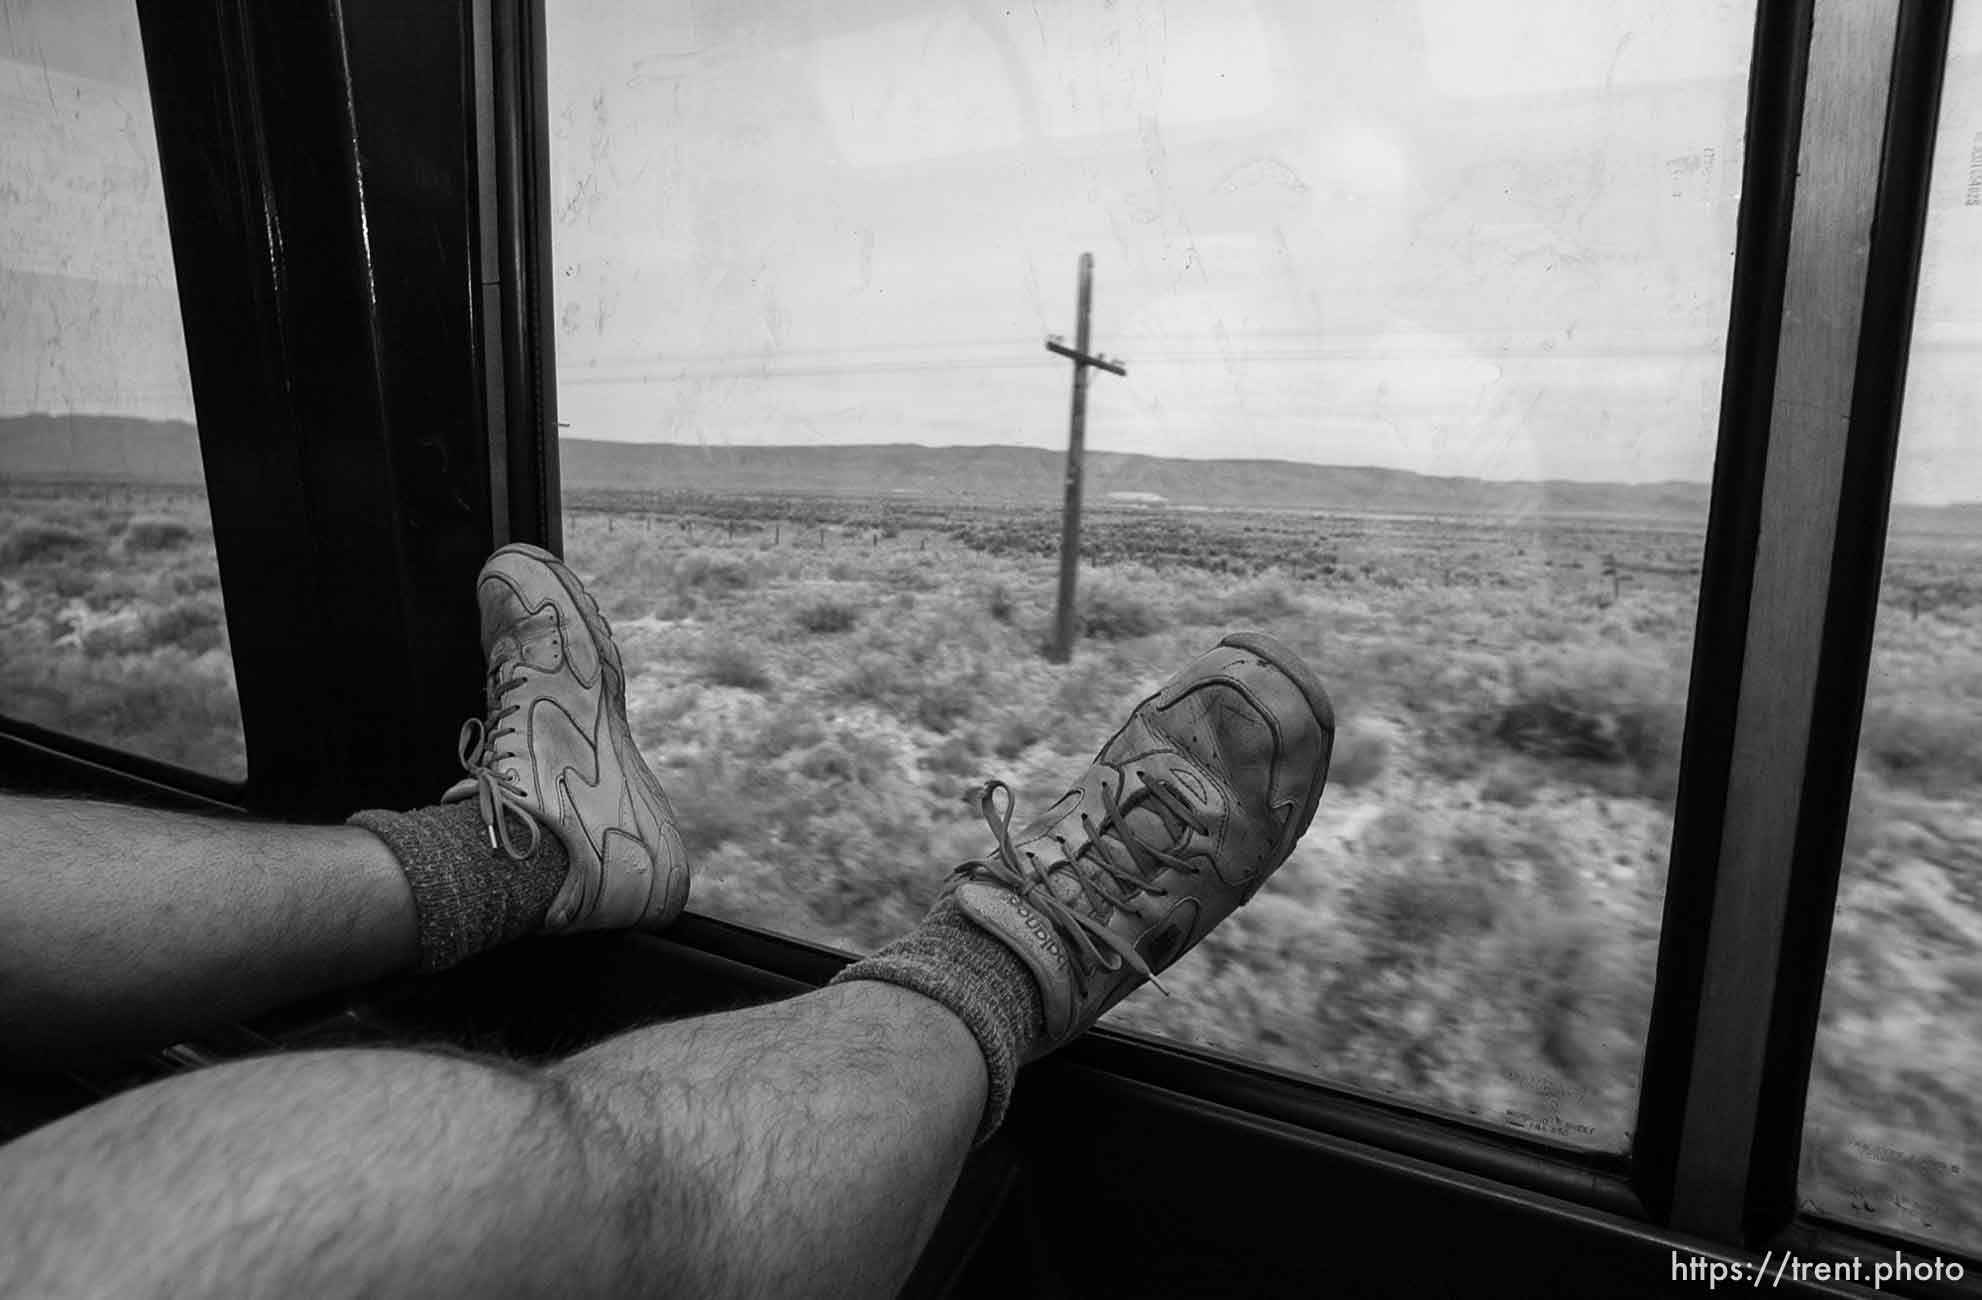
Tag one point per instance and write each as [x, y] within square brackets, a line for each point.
[622, 1193]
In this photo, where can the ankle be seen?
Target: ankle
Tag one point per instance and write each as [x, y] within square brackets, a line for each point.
[952, 961]
[468, 897]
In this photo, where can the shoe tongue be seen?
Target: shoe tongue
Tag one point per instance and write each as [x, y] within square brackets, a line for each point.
[1065, 888]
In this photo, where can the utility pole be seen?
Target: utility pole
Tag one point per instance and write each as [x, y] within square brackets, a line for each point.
[1063, 625]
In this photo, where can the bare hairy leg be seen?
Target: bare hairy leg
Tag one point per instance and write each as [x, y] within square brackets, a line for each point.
[121, 926]
[801, 1148]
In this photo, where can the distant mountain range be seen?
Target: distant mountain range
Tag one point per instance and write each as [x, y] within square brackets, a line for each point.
[1034, 474]
[98, 448]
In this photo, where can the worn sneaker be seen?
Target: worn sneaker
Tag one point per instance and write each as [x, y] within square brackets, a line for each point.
[1184, 814]
[555, 750]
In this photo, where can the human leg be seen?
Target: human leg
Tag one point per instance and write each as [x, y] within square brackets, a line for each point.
[122, 927]
[804, 1148]
[801, 1148]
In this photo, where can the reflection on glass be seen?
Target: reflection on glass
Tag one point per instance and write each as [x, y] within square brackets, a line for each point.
[1422, 311]
[113, 628]
[1894, 1122]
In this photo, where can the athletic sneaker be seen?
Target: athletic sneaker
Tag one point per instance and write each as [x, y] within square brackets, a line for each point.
[1184, 814]
[555, 752]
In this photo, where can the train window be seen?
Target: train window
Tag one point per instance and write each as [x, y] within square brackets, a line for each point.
[1421, 309]
[1894, 1122]
[114, 629]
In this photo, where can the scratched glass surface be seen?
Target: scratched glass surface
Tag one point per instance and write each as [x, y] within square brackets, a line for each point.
[1419, 310]
[111, 623]
[1893, 1129]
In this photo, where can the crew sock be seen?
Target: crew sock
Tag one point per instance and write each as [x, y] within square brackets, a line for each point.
[469, 897]
[953, 960]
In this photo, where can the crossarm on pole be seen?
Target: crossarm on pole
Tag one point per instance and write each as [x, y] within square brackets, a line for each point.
[1096, 360]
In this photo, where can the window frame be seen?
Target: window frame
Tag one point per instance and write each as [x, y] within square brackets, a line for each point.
[376, 415]
[1858, 221]
[316, 176]
[513, 204]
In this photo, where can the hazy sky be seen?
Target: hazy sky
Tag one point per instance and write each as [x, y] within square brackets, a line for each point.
[1445, 235]
[1449, 236]
[89, 313]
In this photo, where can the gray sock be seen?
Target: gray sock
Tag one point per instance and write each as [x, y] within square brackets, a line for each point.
[950, 958]
[468, 896]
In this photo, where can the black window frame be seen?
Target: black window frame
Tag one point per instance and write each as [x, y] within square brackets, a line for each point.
[320, 190]
[358, 200]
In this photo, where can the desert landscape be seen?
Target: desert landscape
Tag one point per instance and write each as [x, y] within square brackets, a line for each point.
[111, 621]
[823, 677]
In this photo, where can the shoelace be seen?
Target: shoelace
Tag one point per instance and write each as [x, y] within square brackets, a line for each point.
[1028, 879]
[480, 748]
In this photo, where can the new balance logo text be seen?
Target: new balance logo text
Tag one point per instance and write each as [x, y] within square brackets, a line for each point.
[1040, 930]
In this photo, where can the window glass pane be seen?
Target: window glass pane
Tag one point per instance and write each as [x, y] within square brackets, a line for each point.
[1894, 1122]
[113, 627]
[1422, 307]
